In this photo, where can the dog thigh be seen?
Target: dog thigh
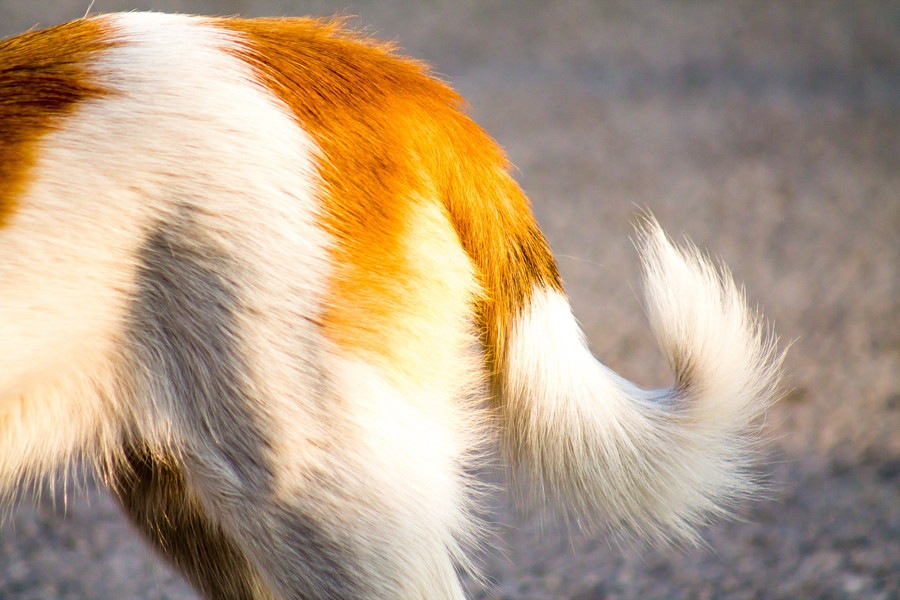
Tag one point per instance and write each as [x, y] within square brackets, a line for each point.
[378, 510]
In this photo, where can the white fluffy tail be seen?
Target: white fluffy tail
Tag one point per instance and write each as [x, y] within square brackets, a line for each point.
[654, 463]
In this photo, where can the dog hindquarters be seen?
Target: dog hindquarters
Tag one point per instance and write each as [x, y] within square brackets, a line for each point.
[307, 470]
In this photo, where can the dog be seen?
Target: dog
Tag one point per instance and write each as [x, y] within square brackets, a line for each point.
[284, 296]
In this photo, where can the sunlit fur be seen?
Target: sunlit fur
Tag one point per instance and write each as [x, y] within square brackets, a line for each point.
[269, 281]
[658, 461]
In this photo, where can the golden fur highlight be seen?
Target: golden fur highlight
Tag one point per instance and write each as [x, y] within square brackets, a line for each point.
[393, 137]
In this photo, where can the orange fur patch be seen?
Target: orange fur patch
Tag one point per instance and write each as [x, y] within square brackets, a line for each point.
[42, 78]
[394, 138]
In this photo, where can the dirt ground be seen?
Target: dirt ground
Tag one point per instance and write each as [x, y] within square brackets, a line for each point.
[768, 132]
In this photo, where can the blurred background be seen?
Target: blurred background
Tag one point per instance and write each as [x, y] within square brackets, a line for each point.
[768, 132]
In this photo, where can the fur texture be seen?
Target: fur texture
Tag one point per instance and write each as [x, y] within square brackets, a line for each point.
[270, 281]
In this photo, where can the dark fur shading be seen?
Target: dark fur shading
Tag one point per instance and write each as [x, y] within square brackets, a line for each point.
[153, 492]
[186, 347]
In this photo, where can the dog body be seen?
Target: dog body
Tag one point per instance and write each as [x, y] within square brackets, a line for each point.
[270, 281]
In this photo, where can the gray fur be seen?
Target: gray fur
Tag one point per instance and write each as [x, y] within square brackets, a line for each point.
[186, 352]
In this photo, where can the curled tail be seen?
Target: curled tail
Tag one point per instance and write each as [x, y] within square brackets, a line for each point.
[653, 463]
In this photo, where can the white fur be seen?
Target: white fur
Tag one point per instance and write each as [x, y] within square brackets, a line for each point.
[650, 462]
[411, 461]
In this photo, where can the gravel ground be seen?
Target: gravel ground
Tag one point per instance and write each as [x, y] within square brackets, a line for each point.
[769, 132]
